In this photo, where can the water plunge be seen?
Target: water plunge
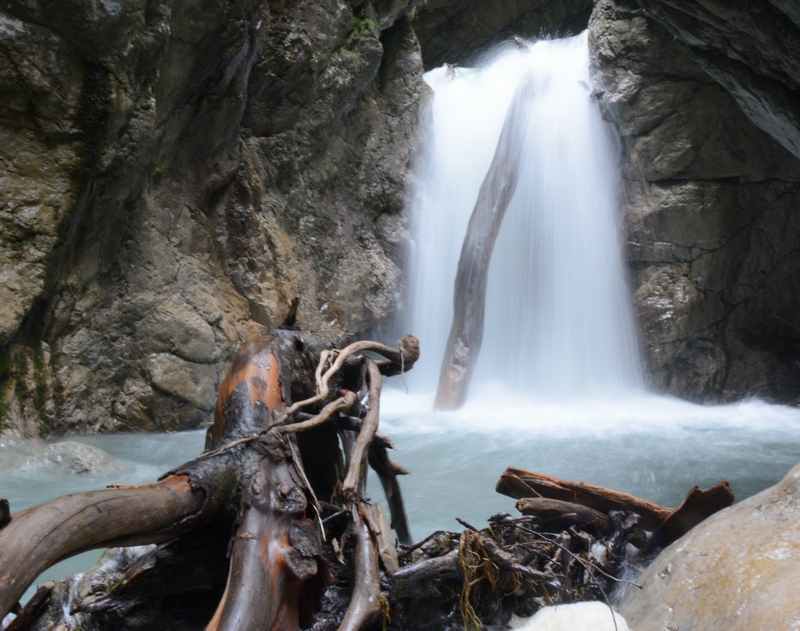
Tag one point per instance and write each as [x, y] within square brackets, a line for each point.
[558, 315]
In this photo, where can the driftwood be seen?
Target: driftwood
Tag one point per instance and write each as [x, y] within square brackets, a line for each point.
[469, 294]
[695, 508]
[669, 524]
[269, 473]
[559, 515]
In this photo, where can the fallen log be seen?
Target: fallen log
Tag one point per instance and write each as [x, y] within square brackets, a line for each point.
[41, 536]
[469, 293]
[518, 483]
[668, 523]
[560, 515]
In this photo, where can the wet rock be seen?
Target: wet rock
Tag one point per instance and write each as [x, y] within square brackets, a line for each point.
[453, 31]
[708, 198]
[738, 570]
[177, 174]
[79, 458]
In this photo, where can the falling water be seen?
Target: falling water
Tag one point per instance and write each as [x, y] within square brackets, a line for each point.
[558, 315]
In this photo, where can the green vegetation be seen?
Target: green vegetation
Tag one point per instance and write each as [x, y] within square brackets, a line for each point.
[363, 27]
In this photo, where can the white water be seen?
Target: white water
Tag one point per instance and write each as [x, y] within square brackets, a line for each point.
[558, 316]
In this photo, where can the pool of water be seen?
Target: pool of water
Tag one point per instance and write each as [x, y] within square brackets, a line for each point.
[655, 447]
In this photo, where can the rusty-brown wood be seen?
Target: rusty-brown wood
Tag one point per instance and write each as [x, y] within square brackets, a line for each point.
[518, 483]
[697, 506]
[668, 523]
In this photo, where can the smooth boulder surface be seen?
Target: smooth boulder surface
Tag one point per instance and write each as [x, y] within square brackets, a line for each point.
[739, 570]
[594, 616]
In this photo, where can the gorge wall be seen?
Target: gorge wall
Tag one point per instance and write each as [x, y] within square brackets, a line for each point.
[175, 173]
[702, 95]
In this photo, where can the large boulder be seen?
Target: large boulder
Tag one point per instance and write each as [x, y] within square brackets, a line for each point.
[739, 570]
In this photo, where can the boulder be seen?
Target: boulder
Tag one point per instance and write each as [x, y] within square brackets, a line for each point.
[739, 570]
[588, 616]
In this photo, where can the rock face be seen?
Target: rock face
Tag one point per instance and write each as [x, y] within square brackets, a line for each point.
[174, 173]
[710, 203]
[452, 31]
[738, 570]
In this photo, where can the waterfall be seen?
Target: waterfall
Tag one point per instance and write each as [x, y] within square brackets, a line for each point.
[558, 316]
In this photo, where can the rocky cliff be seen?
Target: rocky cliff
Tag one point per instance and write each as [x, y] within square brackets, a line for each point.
[174, 174]
[711, 188]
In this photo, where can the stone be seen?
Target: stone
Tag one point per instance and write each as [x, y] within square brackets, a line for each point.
[176, 175]
[79, 458]
[738, 570]
[454, 31]
[596, 616]
[709, 240]
[196, 384]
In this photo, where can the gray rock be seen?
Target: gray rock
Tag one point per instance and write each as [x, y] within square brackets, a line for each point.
[452, 31]
[79, 458]
[707, 198]
[738, 570]
[178, 173]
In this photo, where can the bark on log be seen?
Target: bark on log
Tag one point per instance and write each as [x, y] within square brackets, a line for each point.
[413, 579]
[669, 524]
[697, 506]
[387, 473]
[41, 536]
[518, 483]
[32, 609]
[560, 515]
[365, 605]
[469, 294]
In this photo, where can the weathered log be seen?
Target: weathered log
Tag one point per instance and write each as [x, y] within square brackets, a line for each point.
[33, 608]
[41, 536]
[518, 483]
[558, 514]
[274, 549]
[387, 473]
[669, 524]
[469, 294]
[697, 506]
[412, 580]
[356, 471]
[274, 553]
[365, 603]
